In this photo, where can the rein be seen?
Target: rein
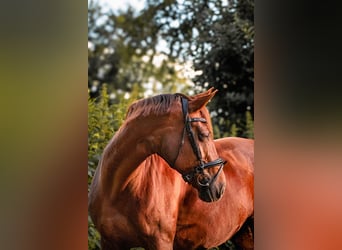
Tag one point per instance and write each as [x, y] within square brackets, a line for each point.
[188, 177]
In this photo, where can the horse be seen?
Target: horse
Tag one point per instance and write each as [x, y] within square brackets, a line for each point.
[178, 129]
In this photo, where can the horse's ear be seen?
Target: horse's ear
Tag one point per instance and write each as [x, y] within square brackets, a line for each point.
[198, 101]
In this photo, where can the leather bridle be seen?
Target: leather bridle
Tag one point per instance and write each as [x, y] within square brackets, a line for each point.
[188, 176]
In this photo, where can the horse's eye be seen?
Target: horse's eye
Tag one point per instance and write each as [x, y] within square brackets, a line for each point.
[203, 135]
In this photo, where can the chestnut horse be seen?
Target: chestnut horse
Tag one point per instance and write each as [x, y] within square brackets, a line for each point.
[178, 129]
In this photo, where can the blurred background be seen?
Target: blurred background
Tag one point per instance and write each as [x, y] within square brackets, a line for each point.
[137, 49]
[142, 48]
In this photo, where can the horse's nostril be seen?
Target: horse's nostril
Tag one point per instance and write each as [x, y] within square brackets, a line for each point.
[203, 180]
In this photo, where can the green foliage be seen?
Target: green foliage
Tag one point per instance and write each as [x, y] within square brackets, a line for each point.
[102, 123]
[245, 129]
[249, 133]
[93, 236]
[233, 130]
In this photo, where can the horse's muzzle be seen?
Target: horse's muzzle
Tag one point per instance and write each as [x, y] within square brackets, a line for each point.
[211, 193]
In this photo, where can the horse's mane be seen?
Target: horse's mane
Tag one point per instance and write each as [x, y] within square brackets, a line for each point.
[157, 105]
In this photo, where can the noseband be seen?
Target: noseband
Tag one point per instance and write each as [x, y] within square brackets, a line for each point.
[188, 177]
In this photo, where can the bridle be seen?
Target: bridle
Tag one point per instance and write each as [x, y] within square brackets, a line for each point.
[189, 176]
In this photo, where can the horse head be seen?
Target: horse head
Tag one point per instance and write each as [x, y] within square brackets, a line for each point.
[178, 128]
[191, 149]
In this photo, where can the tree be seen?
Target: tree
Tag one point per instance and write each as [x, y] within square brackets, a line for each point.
[216, 36]
[219, 37]
[122, 53]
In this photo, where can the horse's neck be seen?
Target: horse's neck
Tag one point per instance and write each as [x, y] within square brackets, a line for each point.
[121, 157]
